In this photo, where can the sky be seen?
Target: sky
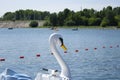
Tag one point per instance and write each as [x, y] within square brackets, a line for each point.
[55, 5]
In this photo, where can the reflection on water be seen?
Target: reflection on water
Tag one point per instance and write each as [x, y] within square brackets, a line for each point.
[99, 64]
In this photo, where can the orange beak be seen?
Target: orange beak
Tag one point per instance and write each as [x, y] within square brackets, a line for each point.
[63, 47]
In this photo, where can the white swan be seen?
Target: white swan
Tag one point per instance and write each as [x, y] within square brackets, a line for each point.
[54, 39]
[65, 72]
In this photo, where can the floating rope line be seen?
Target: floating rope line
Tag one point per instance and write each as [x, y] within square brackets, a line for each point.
[76, 51]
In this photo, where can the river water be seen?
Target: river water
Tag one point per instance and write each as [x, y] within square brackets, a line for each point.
[97, 56]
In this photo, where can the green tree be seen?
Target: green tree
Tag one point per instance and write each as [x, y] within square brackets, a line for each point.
[117, 19]
[94, 21]
[116, 10]
[104, 22]
[77, 18]
[66, 13]
[70, 23]
[53, 19]
[8, 16]
[61, 18]
[118, 24]
[84, 21]
[33, 24]
[88, 12]
[110, 16]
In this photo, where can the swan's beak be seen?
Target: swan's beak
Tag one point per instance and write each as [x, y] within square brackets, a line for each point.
[64, 48]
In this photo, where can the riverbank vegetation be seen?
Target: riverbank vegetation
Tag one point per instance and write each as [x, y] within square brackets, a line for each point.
[108, 16]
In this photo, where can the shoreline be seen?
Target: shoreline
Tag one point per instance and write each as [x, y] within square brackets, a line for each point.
[18, 24]
[25, 24]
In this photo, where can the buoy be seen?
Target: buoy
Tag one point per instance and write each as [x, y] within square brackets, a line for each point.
[110, 46]
[86, 49]
[117, 45]
[21, 57]
[2, 59]
[95, 48]
[103, 46]
[38, 55]
[76, 50]
[65, 51]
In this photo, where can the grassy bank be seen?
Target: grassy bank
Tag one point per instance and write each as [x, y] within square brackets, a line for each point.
[87, 27]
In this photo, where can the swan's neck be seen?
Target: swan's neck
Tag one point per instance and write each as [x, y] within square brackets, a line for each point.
[65, 72]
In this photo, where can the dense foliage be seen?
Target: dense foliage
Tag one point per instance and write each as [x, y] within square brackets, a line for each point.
[26, 15]
[88, 17]
[33, 24]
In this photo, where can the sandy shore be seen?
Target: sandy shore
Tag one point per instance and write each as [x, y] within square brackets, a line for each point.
[17, 24]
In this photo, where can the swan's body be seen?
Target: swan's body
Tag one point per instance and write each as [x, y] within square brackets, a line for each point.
[9, 74]
[54, 75]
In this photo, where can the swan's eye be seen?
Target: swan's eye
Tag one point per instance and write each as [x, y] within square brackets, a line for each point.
[61, 40]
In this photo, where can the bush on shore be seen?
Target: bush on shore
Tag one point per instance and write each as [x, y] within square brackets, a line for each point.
[33, 24]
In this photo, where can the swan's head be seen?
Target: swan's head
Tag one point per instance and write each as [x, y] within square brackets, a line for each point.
[56, 38]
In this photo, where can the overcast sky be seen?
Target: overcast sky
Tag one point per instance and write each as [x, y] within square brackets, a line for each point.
[55, 5]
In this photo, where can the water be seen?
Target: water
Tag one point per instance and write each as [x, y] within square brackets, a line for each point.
[99, 64]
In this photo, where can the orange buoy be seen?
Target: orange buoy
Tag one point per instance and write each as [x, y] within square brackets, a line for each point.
[21, 57]
[76, 50]
[2, 59]
[38, 55]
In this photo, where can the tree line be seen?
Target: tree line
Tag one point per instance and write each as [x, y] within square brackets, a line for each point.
[108, 16]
